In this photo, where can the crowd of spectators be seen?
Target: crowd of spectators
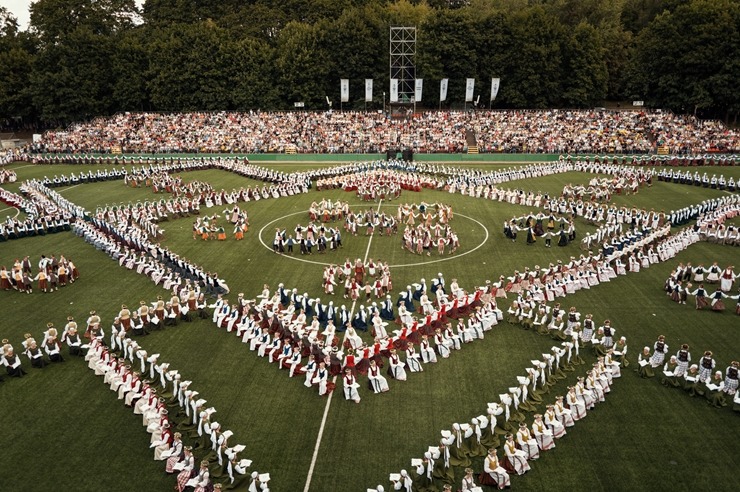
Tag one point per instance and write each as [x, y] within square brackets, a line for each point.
[542, 131]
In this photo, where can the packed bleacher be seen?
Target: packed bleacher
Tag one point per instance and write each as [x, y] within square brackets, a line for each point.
[545, 131]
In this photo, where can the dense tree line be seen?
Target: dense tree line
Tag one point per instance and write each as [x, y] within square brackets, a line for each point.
[82, 58]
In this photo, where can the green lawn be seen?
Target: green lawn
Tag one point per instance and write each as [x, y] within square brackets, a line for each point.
[62, 418]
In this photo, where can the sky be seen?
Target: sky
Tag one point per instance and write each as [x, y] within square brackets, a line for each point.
[19, 8]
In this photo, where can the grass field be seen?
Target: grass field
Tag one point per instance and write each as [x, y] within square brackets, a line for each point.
[63, 423]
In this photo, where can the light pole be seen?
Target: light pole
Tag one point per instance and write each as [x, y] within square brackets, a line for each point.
[383, 102]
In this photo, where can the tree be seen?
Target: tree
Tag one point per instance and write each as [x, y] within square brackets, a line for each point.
[485, 7]
[8, 25]
[636, 15]
[253, 76]
[130, 66]
[533, 61]
[405, 13]
[598, 13]
[189, 67]
[162, 13]
[53, 20]
[256, 20]
[448, 44]
[686, 60]
[359, 50]
[72, 80]
[72, 73]
[303, 65]
[16, 60]
[494, 48]
[83, 58]
[585, 75]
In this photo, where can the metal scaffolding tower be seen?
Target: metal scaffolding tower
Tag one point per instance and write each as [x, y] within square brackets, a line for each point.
[403, 61]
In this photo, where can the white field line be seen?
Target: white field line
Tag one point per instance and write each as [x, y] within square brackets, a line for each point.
[405, 265]
[67, 189]
[331, 395]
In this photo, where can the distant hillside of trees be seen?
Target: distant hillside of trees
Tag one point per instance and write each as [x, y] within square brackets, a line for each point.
[83, 58]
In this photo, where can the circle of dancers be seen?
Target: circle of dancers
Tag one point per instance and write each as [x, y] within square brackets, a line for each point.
[679, 285]
[52, 273]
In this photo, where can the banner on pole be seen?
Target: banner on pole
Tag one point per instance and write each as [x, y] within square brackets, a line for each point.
[394, 90]
[495, 82]
[368, 90]
[344, 86]
[469, 89]
[417, 89]
[443, 89]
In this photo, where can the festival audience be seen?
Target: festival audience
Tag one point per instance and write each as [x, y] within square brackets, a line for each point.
[536, 131]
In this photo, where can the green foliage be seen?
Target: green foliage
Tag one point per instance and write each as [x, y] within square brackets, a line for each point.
[8, 24]
[593, 12]
[405, 13]
[302, 63]
[189, 67]
[687, 59]
[236, 54]
[72, 80]
[538, 39]
[130, 67]
[638, 14]
[494, 44]
[252, 75]
[257, 21]
[355, 43]
[449, 43]
[585, 77]
[15, 71]
[166, 12]
[54, 20]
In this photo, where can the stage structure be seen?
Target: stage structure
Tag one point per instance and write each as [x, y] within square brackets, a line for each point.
[402, 51]
[403, 64]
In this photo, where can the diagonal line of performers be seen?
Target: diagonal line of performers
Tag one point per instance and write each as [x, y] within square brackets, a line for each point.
[300, 334]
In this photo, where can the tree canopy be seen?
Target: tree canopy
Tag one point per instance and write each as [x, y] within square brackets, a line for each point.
[83, 58]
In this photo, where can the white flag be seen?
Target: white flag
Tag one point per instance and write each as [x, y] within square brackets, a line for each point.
[443, 90]
[368, 90]
[469, 89]
[495, 82]
[344, 86]
[417, 89]
[394, 90]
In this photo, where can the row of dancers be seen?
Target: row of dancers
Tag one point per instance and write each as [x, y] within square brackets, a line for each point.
[522, 443]
[699, 379]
